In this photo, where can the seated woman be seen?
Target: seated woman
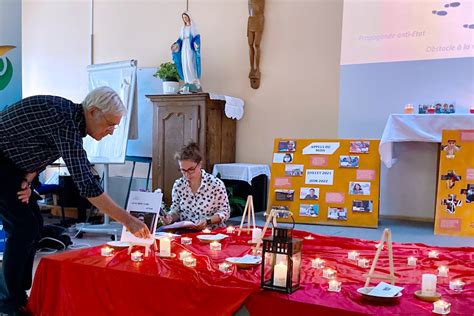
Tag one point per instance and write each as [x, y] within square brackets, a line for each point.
[197, 196]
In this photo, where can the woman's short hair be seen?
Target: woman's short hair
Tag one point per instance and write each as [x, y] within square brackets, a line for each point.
[106, 100]
[189, 152]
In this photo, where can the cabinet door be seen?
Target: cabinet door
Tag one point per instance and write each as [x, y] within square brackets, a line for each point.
[177, 127]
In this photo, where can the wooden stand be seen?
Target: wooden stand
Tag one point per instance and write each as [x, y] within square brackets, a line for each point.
[386, 237]
[146, 246]
[250, 212]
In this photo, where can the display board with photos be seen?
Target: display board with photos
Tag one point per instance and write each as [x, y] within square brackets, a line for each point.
[455, 195]
[333, 182]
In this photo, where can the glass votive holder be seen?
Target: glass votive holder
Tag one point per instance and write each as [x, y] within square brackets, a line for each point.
[186, 240]
[441, 307]
[334, 286]
[363, 263]
[184, 254]
[411, 261]
[456, 285]
[230, 229]
[189, 261]
[106, 252]
[352, 255]
[215, 245]
[206, 231]
[443, 271]
[225, 267]
[329, 273]
[433, 254]
[317, 263]
[136, 256]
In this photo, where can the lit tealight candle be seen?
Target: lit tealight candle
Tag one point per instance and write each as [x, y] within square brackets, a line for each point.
[183, 254]
[334, 286]
[230, 229]
[411, 261]
[215, 245]
[443, 271]
[225, 267]
[309, 237]
[352, 255]
[317, 263]
[206, 231]
[189, 261]
[433, 254]
[136, 256]
[106, 252]
[441, 307]
[329, 273]
[279, 278]
[186, 240]
[363, 263]
[456, 285]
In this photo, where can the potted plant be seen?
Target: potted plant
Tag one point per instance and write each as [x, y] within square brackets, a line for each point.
[169, 75]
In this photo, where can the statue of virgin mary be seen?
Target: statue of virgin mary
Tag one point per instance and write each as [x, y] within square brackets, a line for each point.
[186, 53]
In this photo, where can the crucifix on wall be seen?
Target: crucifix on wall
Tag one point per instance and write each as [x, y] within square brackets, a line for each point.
[254, 35]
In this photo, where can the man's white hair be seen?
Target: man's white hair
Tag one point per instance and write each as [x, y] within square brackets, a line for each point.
[106, 100]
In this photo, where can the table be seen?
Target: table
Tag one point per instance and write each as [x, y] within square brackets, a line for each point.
[256, 177]
[418, 128]
[81, 282]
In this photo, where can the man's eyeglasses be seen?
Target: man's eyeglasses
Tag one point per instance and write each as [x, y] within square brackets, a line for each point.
[189, 170]
[111, 125]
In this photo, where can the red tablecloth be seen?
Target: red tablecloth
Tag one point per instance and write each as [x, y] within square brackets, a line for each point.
[82, 282]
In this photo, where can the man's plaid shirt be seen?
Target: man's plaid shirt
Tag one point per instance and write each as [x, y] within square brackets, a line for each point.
[38, 130]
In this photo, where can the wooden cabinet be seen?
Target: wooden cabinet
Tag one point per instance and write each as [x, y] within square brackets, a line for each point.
[180, 119]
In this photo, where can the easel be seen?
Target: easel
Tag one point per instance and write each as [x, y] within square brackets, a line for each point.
[249, 211]
[146, 246]
[270, 217]
[386, 237]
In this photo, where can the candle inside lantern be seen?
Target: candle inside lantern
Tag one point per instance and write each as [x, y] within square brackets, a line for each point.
[206, 231]
[256, 234]
[363, 263]
[352, 255]
[215, 245]
[456, 285]
[334, 286]
[230, 229]
[183, 254]
[443, 271]
[189, 261]
[106, 251]
[433, 254]
[329, 273]
[317, 263]
[165, 247]
[225, 267]
[441, 307]
[136, 256]
[411, 261]
[279, 278]
[186, 240]
[428, 285]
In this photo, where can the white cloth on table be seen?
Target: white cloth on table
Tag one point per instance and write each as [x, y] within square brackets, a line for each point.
[240, 171]
[418, 128]
[234, 107]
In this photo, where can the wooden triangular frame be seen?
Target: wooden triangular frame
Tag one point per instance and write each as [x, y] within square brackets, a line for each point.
[386, 237]
[249, 211]
[146, 246]
[270, 218]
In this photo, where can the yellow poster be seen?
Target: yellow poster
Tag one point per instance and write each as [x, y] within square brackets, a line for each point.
[327, 181]
[455, 198]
